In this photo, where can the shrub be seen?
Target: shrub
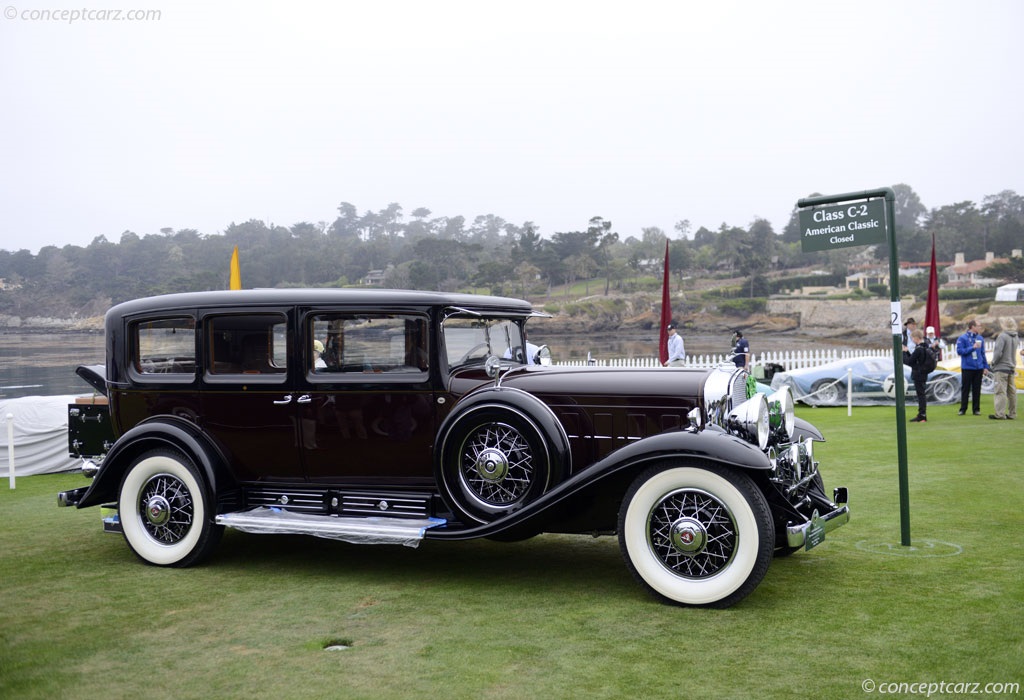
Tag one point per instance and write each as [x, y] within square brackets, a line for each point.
[742, 307]
[969, 294]
[778, 285]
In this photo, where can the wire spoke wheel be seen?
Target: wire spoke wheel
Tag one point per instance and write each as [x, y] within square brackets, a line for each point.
[166, 509]
[497, 464]
[692, 533]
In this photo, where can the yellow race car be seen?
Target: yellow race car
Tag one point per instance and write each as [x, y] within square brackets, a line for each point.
[952, 364]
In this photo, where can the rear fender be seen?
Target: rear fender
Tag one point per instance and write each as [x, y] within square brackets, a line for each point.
[156, 432]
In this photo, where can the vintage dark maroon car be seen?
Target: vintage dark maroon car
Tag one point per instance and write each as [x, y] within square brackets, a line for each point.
[390, 416]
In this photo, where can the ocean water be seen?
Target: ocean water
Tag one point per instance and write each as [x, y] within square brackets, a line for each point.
[43, 364]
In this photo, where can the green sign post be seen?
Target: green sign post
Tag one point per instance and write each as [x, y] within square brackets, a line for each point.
[867, 218]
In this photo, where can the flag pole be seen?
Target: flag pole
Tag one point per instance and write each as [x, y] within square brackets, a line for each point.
[931, 313]
[236, 273]
[666, 313]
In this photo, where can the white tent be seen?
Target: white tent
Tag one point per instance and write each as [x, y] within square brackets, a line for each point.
[40, 428]
[1010, 292]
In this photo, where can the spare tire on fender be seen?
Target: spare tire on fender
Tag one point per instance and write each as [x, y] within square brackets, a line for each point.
[499, 450]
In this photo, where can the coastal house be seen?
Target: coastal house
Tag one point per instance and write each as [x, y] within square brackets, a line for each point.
[971, 275]
[375, 278]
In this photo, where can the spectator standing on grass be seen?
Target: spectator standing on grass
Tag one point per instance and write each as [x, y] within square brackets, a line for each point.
[1004, 365]
[973, 365]
[917, 361]
[908, 331]
[740, 350]
[929, 337]
[676, 349]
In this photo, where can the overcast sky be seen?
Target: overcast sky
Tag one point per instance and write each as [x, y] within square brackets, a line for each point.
[644, 113]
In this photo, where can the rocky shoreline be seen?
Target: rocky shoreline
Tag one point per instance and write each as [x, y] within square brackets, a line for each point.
[41, 324]
[848, 319]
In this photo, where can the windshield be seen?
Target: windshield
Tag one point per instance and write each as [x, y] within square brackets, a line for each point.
[471, 339]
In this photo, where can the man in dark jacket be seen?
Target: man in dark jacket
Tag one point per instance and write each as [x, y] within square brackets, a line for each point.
[918, 361]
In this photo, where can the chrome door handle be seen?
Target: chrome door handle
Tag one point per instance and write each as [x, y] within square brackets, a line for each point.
[286, 400]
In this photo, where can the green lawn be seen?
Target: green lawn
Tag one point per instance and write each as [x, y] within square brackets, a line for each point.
[552, 617]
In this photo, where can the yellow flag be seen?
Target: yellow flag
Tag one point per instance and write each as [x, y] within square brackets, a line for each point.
[236, 273]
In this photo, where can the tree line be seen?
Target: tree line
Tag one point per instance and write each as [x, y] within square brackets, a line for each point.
[451, 253]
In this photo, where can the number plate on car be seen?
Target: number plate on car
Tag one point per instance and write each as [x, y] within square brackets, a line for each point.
[815, 534]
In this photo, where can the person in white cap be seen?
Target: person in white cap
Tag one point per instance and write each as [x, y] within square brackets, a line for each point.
[676, 349]
[929, 336]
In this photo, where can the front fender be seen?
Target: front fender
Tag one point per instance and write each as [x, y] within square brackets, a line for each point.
[159, 431]
[804, 429]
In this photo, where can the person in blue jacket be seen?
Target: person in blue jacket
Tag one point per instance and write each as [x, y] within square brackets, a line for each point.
[740, 351]
[973, 366]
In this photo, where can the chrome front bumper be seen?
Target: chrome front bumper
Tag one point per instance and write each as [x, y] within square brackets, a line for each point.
[812, 533]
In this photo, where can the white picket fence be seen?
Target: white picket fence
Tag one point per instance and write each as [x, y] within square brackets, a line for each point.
[790, 359]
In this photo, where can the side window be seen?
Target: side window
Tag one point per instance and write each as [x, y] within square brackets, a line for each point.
[164, 347]
[252, 344]
[367, 343]
[471, 339]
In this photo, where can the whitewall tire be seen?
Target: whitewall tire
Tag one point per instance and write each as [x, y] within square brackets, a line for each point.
[696, 534]
[163, 511]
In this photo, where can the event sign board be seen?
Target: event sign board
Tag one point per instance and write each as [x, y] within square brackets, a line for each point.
[865, 218]
[842, 226]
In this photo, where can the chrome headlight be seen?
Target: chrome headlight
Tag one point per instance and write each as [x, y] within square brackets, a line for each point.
[782, 411]
[794, 459]
[750, 420]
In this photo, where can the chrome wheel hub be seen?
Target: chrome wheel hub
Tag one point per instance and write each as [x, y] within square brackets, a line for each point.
[688, 535]
[165, 508]
[497, 465]
[157, 510]
[492, 465]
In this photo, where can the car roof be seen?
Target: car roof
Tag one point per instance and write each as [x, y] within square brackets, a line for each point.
[376, 298]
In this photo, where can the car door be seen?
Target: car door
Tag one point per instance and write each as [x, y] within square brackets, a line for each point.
[249, 406]
[370, 416]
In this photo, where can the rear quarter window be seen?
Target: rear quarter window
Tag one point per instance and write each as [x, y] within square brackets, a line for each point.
[164, 349]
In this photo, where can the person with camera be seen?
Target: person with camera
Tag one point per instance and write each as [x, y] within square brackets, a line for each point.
[973, 366]
[918, 361]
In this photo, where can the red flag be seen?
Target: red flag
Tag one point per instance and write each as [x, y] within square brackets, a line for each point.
[666, 314]
[931, 309]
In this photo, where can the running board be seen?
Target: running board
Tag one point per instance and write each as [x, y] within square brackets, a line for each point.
[372, 530]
